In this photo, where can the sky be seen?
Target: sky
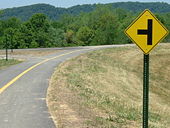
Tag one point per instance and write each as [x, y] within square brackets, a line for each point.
[63, 3]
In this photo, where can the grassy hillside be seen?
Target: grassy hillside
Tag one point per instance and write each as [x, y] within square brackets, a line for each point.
[55, 13]
[103, 89]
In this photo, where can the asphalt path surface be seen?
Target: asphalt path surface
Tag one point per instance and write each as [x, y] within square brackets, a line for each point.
[23, 89]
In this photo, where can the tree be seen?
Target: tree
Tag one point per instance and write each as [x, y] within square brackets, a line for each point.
[1, 28]
[105, 25]
[123, 24]
[57, 37]
[69, 35]
[166, 17]
[1, 12]
[8, 28]
[57, 24]
[9, 33]
[12, 22]
[33, 44]
[39, 27]
[23, 36]
[85, 34]
[39, 22]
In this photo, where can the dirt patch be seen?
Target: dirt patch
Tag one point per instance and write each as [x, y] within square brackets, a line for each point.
[28, 52]
[5, 64]
[66, 106]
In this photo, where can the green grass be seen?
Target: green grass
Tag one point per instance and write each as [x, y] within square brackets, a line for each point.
[4, 63]
[109, 83]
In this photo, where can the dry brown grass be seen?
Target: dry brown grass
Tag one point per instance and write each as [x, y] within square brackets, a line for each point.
[103, 89]
[30, 52]
[5, 64]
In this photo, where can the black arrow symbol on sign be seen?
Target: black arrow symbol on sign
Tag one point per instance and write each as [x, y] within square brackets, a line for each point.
[147, 32]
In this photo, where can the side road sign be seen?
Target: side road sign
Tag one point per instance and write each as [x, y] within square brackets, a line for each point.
[146, 31]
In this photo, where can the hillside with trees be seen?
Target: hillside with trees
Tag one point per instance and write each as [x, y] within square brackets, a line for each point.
[54, 13]
[102, 26]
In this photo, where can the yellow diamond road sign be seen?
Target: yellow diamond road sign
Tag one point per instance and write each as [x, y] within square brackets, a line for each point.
[146, 31]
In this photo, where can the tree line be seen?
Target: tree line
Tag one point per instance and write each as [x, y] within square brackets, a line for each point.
[54, 13]
[102, 26]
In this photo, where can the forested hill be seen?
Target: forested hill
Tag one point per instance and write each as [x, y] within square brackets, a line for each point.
[54, 12]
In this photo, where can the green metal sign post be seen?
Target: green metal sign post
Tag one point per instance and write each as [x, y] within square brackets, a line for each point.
[6, 47]
[145, 91]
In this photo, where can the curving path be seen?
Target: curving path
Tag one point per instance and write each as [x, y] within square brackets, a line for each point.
[23, 89]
